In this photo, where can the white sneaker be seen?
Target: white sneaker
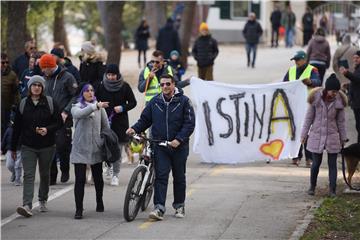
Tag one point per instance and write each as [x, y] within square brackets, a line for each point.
[43, 207]
[109, 172]
[24, 211]
[114, 181]
[180, 212]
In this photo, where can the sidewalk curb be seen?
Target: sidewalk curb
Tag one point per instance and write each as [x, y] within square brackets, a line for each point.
[303, 224]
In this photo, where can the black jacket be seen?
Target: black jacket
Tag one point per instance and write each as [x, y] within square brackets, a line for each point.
[36, 116]
[308, 22]
[275, 19]
[252, 32]
[354, 90]
[141, 38]
[92, 71]
[125, 98]
[62, 87]
[205, 50]
[110, 150]
[168, 40]
[20, 64]
[72, 69]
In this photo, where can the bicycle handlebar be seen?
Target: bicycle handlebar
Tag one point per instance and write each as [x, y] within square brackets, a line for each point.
[139, 138]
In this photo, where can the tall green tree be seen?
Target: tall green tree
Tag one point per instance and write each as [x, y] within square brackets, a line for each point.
[111, 20]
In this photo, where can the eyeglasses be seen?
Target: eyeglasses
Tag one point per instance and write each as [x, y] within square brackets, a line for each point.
[166, 83]
[4, 62]
[36, 85]
[153, 61]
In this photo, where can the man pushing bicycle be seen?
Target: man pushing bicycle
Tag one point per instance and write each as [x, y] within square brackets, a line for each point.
[171, 117]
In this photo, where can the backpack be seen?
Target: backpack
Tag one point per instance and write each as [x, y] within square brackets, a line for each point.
[49, 100]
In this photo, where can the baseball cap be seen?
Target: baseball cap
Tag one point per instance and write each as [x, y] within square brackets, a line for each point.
[299, 55]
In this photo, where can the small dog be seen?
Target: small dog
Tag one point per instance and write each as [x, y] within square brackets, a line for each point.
[130, 153]
[352, 158]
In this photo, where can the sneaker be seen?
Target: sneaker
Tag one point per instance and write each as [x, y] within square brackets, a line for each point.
[308, 163]
[24, 211]
[114, 181]
[180, 212]
[157, 214]
[296, 161]
[17, 182]
[109, 172]
[43, 207]
[64, 177]
[12, 178]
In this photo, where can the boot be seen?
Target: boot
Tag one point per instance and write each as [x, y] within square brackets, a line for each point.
[311, 191]
[99, 205]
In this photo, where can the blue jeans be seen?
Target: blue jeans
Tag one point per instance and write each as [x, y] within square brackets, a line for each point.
[165, 160]
[289, 38]
[251, 47]
[317, 158]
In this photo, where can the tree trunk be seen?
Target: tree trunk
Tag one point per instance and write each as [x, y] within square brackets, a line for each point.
[111, 20]
[186, 26]
[16, 29]
[59, 27]
[155, 14]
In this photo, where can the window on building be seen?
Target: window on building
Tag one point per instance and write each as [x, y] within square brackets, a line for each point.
[242, 9]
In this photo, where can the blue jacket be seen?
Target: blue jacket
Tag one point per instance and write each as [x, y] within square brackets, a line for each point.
[168, 120]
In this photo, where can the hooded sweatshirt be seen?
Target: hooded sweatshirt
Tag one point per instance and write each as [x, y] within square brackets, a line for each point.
[319, 51]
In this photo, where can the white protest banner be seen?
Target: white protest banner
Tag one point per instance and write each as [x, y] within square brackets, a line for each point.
[246, 123]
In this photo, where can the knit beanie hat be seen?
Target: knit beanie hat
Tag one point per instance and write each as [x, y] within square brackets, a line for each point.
[47, 61]
[203, 26]
[57, 52]
[174, 52]
[332, 83]
[112, 68]
[36, 79]
[88, 48]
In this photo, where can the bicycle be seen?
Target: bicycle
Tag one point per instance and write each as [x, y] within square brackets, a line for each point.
[141, 184]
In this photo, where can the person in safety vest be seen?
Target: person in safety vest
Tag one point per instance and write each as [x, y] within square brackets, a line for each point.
[309, 75]
[149, 79]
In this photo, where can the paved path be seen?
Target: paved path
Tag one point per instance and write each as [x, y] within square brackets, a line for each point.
[246, 201]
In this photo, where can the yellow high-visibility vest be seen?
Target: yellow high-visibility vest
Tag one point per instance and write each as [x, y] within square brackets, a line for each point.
[154, 86]
[306, 73]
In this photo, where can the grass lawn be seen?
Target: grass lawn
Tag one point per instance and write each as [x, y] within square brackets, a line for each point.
[336, 218]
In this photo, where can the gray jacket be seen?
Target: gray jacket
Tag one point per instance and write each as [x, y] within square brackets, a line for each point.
[87, 142]
[62, 87]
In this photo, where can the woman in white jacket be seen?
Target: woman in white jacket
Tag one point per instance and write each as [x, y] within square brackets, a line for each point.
[89, 120]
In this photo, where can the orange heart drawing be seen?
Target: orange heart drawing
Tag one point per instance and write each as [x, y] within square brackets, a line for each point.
[273, 148]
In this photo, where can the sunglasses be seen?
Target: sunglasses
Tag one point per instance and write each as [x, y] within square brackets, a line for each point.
[166, 83]
[36, 85]
[153, 61]
[4, 62]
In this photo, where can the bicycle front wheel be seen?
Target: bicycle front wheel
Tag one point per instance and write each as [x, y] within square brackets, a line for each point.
[149, 189]
[133, 198]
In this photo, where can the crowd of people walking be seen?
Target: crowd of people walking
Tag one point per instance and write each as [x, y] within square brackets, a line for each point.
[54, 113]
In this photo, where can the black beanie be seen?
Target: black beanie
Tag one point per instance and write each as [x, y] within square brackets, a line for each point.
[57, 52]
[332, 83]
[112, 68]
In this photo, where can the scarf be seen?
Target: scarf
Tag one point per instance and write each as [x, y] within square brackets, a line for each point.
[112, 86]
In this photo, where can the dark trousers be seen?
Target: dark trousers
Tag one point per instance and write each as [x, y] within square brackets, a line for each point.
[80, 178]
[317, 158]
[30, 158]
[357, 122]
[167, 160]
[206, 73]
[63, 150]
[251, 47]
[274, 36]
[139, 56]
[307, 36]
[322, 69]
